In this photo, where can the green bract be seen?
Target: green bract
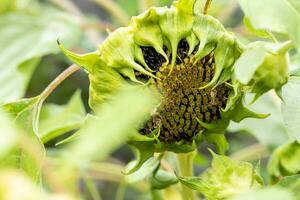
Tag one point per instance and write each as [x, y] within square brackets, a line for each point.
[186, 58]
[263, 66]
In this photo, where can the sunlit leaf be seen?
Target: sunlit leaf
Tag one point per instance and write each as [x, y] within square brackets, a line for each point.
[265, 15]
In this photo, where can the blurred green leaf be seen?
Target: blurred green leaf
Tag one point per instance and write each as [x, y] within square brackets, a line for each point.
[162, 179]
[116, 121]
[258, 32]
[265, 15]
[10, 5]
[57, 120]
[270, 131]
[30, 158]
[292, 183]
[290, 107]
[24, 38]
[8, 136]
[15, 186]
[285, 161]
[273, 193]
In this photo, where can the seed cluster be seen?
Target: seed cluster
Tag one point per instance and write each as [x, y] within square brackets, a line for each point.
[184, 102]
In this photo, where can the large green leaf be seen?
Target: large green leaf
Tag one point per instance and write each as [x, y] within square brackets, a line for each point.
[30, 155]
[270, 131]
[290, 107]
[8, 136]
[281, 16]
[56, 120]
[24, 38]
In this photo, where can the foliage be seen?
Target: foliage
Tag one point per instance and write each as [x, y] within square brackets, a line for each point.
[79, 149]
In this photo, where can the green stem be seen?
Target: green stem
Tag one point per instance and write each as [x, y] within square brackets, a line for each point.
[185, 162]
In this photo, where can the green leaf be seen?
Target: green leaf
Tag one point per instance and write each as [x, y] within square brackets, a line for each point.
[292, 183]
[57, 120]
[258, 32]
[269, 131]
[265, 15]
[24, 113]
[290, 107]
[8, 136]
[273, 193]
[143, 152]
[116, 121]
[24, 38]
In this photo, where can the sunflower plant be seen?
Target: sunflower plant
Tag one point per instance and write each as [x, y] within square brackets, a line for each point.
[172, 80]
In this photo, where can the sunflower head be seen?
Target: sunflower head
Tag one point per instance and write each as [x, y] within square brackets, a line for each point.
[185, 57]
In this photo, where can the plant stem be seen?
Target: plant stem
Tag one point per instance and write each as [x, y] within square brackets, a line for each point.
[49, 89]
[206, 7]
[57, 81]
[186, 169]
